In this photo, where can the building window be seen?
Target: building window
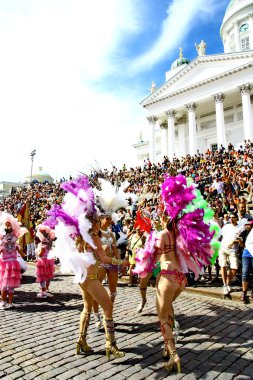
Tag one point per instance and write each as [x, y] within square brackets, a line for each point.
[239, 116]
[244, 27]
[229, 119]
[207, 124]
[245, 44]
[214, 147]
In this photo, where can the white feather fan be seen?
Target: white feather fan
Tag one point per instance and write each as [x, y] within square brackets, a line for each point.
[71, 260]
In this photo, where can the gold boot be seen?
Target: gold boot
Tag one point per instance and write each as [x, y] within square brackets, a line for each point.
[166, 353]
[81, 345]
[174, 363]
[111, 346]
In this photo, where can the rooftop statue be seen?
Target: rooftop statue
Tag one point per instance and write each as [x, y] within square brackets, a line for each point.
[153, 87]
[201, 48]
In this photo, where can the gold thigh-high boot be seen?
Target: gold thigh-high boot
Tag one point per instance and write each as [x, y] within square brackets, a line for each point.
[170, 349]
[82, 345]
[111, 346]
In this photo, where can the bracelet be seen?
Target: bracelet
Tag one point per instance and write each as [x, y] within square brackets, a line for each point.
[116, 261]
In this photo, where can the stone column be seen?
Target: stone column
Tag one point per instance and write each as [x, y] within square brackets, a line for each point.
[164, 140]
[247, 111]
[220, 125]
[152, 122]
[171, 133]
[182, 140]
[191, 107]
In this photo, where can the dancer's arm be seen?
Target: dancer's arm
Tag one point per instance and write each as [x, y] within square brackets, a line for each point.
[102, 255]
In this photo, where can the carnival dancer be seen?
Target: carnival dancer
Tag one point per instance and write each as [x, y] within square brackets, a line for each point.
[44, 266]
[184, 244]
[108, 242]
[80, 251]
[142, 226]
[109, 199]
[10, 270]
[171, 282]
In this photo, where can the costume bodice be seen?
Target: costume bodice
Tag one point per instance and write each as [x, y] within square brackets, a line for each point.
[106, 239]
[9, 247]
[46, 249]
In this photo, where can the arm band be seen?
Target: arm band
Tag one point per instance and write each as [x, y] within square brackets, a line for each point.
[116, 261]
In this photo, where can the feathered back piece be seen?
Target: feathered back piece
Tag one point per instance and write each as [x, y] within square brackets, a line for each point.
[145, 257]
[17, 230]
[142, 222]
[70, 219]
[194, 240]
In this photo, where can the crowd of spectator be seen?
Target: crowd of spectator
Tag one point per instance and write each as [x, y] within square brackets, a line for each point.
[224, 177]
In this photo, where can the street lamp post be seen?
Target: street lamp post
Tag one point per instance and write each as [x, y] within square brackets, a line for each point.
[32, 158]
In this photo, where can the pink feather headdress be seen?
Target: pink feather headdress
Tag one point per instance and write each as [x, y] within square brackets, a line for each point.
[47, 229]
[17, 230]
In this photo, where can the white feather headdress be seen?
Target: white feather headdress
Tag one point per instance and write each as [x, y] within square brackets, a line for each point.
[110, 198]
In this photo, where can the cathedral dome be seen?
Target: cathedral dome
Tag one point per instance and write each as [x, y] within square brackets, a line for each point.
[40, 176]
[237, 29]
[234, 7]
[180, 61]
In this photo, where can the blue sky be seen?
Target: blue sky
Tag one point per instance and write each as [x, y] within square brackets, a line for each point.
[73, 73]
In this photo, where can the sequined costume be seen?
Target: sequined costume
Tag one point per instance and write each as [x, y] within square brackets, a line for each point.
[107, 240]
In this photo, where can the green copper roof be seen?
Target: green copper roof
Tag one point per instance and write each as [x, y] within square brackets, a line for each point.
[179, 62]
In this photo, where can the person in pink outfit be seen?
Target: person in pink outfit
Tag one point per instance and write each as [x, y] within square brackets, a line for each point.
[44, 266]
[10, 270]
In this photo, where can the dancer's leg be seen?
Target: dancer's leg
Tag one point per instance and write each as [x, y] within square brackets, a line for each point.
[167, 291]
[112, 283]
[84, 321]
[143, 290]
[98, 293]
[98, 323]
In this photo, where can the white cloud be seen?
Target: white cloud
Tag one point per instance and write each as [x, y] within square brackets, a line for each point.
[64, 80]
[51, 53]
[181, 18]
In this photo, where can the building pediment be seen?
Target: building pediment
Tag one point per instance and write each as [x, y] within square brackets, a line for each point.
[200, 71]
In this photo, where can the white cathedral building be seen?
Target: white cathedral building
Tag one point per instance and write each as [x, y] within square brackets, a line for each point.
[206, 102]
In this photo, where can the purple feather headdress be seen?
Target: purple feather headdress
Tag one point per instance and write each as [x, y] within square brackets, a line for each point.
[71, 218]
[81, 189]
[56, 213]
[176, 195]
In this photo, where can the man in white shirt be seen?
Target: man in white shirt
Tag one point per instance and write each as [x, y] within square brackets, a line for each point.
[217, 187]
[229, 251]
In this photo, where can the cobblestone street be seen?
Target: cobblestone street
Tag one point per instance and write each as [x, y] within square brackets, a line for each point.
[37, 338]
